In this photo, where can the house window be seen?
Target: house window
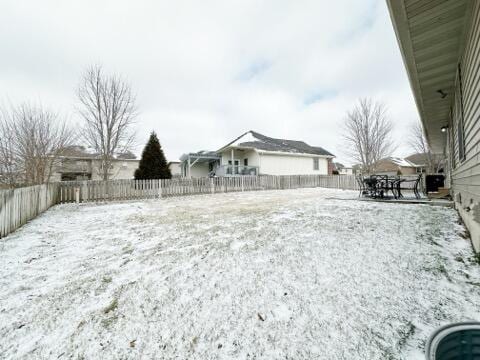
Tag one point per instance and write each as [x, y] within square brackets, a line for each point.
[315, 164]
[460, 127]
[245, 162]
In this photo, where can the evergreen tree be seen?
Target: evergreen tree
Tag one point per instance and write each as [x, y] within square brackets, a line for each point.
[153, 164]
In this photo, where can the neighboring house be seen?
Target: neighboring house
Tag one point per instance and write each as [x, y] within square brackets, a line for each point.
[200, 164]
[357, 169]
[256, 154]
[77, 163]
[440, 45]
[340, 169]
[175, 168]
[422, 160]
[395, 166]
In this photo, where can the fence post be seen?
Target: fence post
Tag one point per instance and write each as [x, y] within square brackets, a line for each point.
[212, 185]
[77, 194]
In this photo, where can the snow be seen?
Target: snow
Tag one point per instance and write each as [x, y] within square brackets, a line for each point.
[247, 137]
[295, 274]
[402, 162]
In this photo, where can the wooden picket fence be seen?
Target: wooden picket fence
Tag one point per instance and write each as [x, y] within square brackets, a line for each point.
[17, 206]
[86, 191]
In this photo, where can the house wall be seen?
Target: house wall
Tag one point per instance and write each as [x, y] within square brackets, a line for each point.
[271, 164]
[175, 168]
[251, 155]
[465, 173]
[345, 171]
[390, 168]
[121, 169]
[199, 169]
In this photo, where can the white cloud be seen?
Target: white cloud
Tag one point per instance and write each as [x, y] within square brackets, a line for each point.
[206, 71]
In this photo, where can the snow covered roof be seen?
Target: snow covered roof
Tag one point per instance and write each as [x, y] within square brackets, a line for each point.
[252, 139]
[400, 161]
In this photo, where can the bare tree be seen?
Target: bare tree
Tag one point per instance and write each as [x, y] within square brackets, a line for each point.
[367, 133]
[108, 109]
[9, 167]
[418, 142]
[32, 139]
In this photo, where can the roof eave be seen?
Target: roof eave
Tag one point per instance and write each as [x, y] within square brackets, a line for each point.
[436, 114]
[399, 19]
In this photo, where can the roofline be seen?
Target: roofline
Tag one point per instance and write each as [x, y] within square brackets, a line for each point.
[91, 158]
[285, 153]
[280, 152]
[200, 156]
[398, 16]
[231, 142]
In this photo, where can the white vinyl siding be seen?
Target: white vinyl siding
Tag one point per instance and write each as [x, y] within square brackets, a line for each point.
[466, 174]
[271, 164]
[250, 155]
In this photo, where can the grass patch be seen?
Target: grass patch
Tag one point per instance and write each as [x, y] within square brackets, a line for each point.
[408, 332]
[111, 307]
[476, 258]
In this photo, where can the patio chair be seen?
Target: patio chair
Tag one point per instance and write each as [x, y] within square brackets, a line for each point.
[377, 185]
[454, 341]
[372, 186]
[410, 185]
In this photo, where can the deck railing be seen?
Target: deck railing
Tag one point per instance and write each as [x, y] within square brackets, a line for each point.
[233, 170]
[20, 205]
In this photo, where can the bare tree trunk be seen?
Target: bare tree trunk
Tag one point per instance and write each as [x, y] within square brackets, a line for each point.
[108, 109]
[367, 134]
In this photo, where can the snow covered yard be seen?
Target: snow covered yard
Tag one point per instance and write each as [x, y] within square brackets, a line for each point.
[297, 274]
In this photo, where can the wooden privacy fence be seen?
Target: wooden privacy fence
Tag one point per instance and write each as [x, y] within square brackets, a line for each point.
[17, 206]
[85, 191]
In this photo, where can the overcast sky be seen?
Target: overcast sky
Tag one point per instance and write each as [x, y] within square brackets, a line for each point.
[206, 71]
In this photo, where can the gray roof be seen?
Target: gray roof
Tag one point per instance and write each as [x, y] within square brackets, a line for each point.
[266, 143]
[81, 152]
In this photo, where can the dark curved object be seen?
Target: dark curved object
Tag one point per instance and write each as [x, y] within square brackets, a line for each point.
[458, 341]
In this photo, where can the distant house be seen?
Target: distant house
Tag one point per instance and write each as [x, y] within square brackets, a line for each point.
[78, 163]
[256, 154]
[340, 169]
[423, 161]
[395, 166]
[175, 168]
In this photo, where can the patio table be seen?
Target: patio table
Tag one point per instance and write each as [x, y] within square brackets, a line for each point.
[379, 185]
